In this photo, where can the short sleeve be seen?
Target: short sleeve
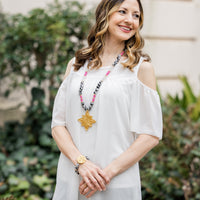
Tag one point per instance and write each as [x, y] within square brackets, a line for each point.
[145, 112]
[59, 107]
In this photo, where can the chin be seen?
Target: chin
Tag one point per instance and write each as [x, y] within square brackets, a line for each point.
[125, 37]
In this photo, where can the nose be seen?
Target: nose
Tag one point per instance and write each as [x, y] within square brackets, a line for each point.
[129, 18]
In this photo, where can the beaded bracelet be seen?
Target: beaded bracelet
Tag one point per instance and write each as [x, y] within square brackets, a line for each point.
[77, 165]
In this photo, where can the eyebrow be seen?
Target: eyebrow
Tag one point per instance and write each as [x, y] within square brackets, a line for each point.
[133, 12]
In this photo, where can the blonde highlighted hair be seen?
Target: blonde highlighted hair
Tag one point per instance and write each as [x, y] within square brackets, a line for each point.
[97, 34]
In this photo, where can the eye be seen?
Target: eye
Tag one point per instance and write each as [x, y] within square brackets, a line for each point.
[136, 16]
[122, 11]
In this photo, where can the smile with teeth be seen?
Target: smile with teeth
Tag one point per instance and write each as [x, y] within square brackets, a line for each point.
[125, 28]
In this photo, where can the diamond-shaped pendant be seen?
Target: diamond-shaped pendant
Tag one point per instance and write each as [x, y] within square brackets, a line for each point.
[86, 120]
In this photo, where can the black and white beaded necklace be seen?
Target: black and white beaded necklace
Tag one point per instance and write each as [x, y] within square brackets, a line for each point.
[87, 120]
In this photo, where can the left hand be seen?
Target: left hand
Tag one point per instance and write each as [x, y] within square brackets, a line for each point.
[86, 191]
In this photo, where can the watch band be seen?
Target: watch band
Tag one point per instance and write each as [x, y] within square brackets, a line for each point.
[78, 164]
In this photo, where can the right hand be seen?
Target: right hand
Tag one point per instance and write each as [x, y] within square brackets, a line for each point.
[94, 177]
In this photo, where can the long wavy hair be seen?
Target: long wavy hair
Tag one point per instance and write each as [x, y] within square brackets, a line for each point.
[96, 39]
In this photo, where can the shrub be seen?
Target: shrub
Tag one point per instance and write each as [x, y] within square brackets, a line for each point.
[171, 170]
[34, 51]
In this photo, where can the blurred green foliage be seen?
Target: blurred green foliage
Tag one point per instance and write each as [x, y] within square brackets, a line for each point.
[34, 53]
[172, 169]
[36, 48]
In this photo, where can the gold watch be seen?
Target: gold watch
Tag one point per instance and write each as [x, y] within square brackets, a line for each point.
[81, 159]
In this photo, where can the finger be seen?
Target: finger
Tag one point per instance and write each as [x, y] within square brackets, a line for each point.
[89, 184]
[86, 190]
[82, 182]
[100, 181]
[95, 182]
[82, 187]
[90, 194]
[104, 176]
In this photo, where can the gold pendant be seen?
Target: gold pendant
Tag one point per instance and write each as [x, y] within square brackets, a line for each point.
[86, 120]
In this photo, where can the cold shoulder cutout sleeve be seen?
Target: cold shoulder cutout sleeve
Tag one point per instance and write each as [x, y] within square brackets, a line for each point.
[60, 108]
[145, 112]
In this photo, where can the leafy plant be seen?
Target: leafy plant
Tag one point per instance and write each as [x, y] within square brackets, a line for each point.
[188, 101]
[171, 170]
[36, 48]
[34, 51]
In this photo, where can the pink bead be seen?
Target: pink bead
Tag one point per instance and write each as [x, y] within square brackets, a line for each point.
[81, 98]
[122, 53]
[107, 73]
[85, 74]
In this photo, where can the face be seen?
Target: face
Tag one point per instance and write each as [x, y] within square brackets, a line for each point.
[125, 21]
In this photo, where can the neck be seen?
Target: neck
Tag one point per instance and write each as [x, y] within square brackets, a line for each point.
[112, 47]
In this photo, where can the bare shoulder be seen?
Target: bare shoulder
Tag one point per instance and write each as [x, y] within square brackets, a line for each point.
[146, 75]
[69, 66]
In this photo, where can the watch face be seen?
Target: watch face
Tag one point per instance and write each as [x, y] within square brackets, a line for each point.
[81, 159]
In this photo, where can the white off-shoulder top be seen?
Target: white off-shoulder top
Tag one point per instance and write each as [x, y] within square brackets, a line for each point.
[124, 107]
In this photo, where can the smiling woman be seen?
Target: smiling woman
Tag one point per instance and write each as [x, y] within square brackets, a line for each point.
[124, 23]
[107, 112]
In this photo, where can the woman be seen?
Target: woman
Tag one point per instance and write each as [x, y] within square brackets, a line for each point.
[107, 112]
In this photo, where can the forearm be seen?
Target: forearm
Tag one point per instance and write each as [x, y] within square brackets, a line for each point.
[65, 143]
[140, 147]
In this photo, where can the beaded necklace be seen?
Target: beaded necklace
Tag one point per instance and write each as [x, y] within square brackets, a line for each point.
[87, 120]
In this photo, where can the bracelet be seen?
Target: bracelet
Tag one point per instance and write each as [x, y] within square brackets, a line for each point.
[77, 165]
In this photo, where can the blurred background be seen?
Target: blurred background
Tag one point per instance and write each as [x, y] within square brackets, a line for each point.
[38, 38]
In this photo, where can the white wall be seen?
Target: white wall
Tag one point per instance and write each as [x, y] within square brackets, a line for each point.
[172, 32]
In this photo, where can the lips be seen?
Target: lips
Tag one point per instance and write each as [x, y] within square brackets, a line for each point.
[125, 28]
